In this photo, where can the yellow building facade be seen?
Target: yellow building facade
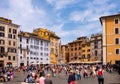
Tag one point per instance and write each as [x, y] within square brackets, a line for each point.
[54, 43]
[43, 33]
[111, 38]
[86, 53]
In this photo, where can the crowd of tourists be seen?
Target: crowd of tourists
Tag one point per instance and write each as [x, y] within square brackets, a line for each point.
[6, 74]
[37, 74]
[45, 74]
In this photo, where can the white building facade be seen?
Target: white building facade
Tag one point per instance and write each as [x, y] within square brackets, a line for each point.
[32, 50]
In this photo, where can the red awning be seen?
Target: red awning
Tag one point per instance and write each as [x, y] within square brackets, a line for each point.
[9, 62]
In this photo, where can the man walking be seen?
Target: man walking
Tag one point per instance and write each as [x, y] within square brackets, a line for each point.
[100, 76]
[48, 80]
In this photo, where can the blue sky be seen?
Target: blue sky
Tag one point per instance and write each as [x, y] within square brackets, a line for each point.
[69, 19]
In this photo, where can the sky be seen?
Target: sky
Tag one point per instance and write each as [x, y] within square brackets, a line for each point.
[69, 19]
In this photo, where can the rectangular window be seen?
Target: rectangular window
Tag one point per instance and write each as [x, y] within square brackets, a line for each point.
[95, 46]
[9, 30]
[13, 43]
[2, 42]
[75, 48]
[9, 57]
[14, 36]
[116, 21]
[20, 39]
[27, 40]
[14, 58]
[117, 41]
[14, 31]
[9, 42]
[83, 56]
[88, 56]
[20, 46]
[2, 28]
[2, 34]
[41, 54]
[41, 42]
[96, 42]
[83, 50]
[96, 52]
[88, 50]
[2, 49]
[9, 35]
[117, 51]
[27, 47]
[14, 50]
[116, 30]
[79, 48]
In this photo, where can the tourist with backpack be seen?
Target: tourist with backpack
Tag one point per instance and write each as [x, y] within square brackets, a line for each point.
[100, 76]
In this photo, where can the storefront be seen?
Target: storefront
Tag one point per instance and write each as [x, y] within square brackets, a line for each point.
[9, 64]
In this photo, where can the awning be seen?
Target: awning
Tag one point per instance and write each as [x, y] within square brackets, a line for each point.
[9, 62]
[78, 62]
[97, 61]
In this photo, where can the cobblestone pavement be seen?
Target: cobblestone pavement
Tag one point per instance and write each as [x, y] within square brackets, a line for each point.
[110, 78]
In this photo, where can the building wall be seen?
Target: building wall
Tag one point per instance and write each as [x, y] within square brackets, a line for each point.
[54, 43]
[10, 44]
[78, 50]
[43, 33]
[65, 53]
[86, 50]
[109, 39]
[75, 51]
[22, 51]
[38, 51]
[54, 53]
[96, 46]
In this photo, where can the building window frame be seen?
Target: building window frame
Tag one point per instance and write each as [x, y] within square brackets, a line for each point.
[2, 42]
[2, 49]
[10, 36]
[2, 34]
[117, 52]
[116, 42]
[9, 57]
[10, 30]
[116, 32]
[20, 39]
[2, 28]
[116, 20]
[14, 31]
[9, 42]
[96, 53]
[14, 43]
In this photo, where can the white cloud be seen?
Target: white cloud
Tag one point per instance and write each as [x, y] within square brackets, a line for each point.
[93, 11]
[29, 16]
[80, 15]
[24, 13]
[58, 29]
[59, 4]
